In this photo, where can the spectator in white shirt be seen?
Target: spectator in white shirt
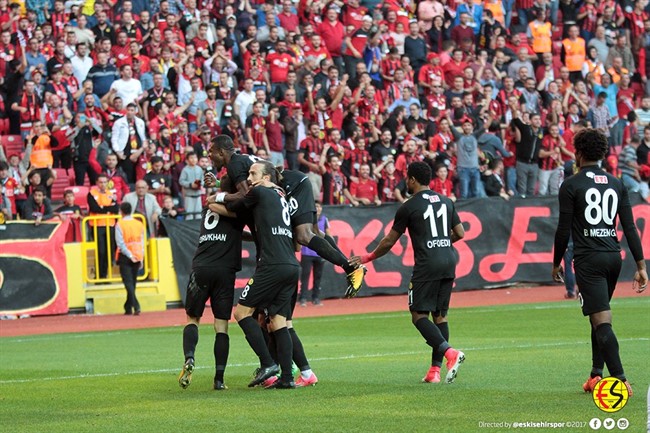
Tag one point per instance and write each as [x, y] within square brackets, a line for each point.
[81, 62]
[127, 88]
[244, 99]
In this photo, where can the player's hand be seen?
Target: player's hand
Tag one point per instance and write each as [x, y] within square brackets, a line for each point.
[640, 281]
[558, 274]
[209, 180]
[134, 259]
[355, 261]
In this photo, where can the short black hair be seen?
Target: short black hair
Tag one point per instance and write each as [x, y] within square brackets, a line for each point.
[592, 144]
[41, 189]
[4, 165]
[420, 171]
[126, 208]
[223, 142]
[155, 159]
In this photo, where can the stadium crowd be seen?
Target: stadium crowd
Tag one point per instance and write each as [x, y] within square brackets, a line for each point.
[490, 94]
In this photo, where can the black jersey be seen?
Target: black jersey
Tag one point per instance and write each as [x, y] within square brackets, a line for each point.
[219, 242]
[270, 211]
[238, 169]
[429, 218]
[590, 202]
[300, 195]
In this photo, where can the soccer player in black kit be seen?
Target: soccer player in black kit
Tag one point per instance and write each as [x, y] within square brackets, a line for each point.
[433, 226]
[590, 201]
[222, 154]
[276, 276]
[216, 261]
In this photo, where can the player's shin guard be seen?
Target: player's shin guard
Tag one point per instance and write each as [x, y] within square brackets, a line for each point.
[299, 356]
[609, 350]
[432, 335]
[221, 351]
[190, 339]
[437, 356]
[255, 339]
[285, 353]
[329, 253]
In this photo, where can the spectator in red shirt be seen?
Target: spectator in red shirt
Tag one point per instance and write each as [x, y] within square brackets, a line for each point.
[256, 128]
[356, 43]
[335, 184]
[455, 67]
[550, 160]
[288, 19]
[333, 33]
[463, 31]
[280, 62]
[274, 131]
[441, 183]
[409, 155]
[388, 180]
[365, 191]
[309, 155]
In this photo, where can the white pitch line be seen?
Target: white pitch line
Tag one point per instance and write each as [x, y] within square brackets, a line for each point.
[335, 358]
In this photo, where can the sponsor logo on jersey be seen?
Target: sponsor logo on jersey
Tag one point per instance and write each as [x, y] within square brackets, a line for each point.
[431, 198]
[601, 180]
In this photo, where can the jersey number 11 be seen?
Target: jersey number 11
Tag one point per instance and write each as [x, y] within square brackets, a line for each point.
[431, 216]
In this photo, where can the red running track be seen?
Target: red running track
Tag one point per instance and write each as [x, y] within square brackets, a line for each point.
[374, 304]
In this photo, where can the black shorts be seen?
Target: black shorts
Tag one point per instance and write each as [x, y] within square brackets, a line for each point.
[215, 284]
[271, 288]
[302, 204]
[430, 296]
[596, 276]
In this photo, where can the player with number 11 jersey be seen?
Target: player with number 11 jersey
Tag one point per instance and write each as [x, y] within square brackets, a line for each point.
[433, 226]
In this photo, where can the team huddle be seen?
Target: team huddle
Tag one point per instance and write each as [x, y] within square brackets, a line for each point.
[278, 207]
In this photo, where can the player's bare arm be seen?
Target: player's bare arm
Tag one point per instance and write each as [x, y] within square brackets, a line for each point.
[382, 249]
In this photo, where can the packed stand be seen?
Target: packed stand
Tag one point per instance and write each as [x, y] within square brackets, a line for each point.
[126, 96]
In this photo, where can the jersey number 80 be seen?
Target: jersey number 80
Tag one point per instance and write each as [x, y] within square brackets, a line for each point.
[600, 207]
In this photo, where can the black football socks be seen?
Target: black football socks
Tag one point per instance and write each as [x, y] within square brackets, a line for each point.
[597, 361]
[221, 351]
[609, 349]
[437, 356]
[329, 253]
[190, 340]
[285, 353]
[255, 339]
[299, 356]
[432, 335]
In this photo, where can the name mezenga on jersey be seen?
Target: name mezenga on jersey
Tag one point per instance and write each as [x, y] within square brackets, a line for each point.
[600, 233]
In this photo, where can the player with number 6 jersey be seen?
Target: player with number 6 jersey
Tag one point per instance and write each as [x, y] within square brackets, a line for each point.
[214, 266]
[590, 203]
[433, 226]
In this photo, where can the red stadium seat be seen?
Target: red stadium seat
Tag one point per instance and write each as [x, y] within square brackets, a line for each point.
[12, 144]
[63, 181]
[81, 197]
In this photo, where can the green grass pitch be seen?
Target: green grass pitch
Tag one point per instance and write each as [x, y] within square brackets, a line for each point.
[524, 363]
